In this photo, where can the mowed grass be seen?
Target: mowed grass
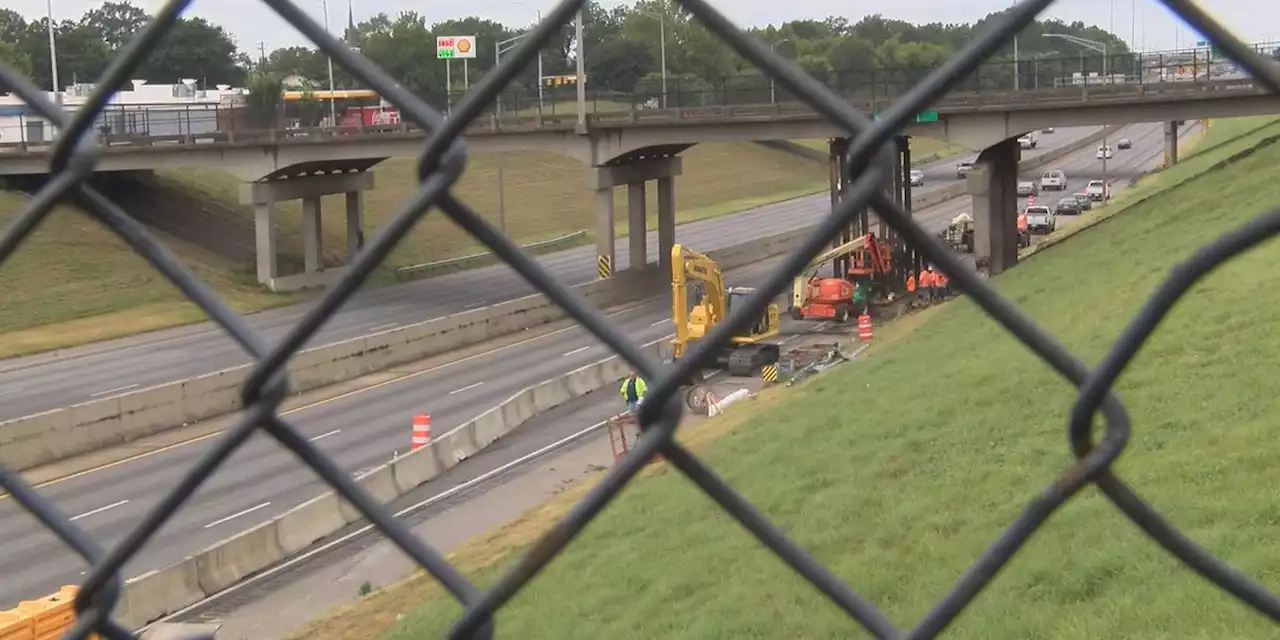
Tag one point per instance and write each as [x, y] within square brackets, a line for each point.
[74, 282]
[923, 150]
[544, 193]
[898, 471]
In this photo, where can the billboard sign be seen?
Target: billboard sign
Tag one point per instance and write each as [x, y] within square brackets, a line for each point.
[450, 47]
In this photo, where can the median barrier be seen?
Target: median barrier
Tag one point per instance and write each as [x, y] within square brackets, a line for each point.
[238, 557]
[48, 437]
[154, 595]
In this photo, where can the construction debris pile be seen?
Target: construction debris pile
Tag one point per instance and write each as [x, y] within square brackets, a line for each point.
[800, 363]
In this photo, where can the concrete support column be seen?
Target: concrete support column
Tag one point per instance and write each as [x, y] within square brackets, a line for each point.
[355, 224]
[838, 183]
[1170, 143]
[605, 251]
[264, 230]
[634, 174]
[993, 183]
[666, 222]
[637, 235]
[312, 235]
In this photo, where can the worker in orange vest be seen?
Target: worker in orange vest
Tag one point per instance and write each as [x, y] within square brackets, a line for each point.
[911, 289]
[925, 285]
[941, 284]
[1023, 238]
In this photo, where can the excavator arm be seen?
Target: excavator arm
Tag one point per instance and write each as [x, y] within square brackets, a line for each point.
[686, 265]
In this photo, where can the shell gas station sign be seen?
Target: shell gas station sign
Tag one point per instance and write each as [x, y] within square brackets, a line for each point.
[450, 47]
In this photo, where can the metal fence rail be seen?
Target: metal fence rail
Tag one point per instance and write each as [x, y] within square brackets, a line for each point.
[440, 164]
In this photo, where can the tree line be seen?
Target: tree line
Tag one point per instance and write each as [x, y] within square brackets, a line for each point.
[623, 44]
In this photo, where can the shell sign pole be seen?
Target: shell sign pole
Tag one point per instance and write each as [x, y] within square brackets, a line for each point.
[450, 47]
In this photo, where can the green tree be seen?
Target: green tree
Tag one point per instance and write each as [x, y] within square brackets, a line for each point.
[82, 55]
[300, 61]
[308, 108]
[194, 48]
[12, 56]
[264, 99]
[117, 22]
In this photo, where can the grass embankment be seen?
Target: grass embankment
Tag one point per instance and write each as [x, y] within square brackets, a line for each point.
[897, 491]
[74, 282]
[923, 150]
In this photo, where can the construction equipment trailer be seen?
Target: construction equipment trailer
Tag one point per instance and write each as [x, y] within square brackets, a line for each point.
[747, 351]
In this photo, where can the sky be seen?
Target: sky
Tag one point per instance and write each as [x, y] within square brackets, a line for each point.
[1145, 24]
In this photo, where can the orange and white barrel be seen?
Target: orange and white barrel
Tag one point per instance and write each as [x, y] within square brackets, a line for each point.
[421, 431]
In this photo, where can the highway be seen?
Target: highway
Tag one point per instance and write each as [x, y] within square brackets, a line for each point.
[61, 378]
[359, 430]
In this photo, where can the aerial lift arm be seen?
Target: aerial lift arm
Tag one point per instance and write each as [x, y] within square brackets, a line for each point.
[798, 287]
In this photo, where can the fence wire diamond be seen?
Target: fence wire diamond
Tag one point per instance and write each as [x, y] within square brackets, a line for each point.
[440, 164]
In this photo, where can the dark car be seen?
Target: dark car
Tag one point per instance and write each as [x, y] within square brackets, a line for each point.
[1083, 199]
[1124, 143]
[1067, 207]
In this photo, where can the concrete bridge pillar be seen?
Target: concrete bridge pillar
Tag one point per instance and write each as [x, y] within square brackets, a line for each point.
[263, 196]
[993, 183]
[635, 175]
[1170, 143]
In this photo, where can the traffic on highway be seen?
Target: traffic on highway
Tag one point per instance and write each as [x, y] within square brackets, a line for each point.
[367, 427]
[69, 376]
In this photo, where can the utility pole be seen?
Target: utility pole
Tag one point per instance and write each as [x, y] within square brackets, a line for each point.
[53, 53]
[580, 51]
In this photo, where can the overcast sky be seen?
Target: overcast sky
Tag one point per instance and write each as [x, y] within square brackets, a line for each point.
[1147, 23]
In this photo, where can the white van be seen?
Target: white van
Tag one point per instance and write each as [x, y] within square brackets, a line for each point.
[1055, 180]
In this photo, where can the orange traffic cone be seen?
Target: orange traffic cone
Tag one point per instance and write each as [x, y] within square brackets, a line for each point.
[421, 431]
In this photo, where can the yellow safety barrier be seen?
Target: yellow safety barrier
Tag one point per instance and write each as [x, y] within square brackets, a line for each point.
[604, 267]
[48, 618]
[769, 373]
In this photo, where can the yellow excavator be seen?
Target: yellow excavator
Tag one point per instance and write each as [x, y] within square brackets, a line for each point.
[747, 351]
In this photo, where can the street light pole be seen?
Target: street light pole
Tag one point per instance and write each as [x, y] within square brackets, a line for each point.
[579, 53]
[1100, 47]
[53, 52]
[773, 86]
[333, 114]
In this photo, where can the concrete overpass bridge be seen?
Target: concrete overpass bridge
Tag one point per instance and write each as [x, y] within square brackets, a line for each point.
[633, 148]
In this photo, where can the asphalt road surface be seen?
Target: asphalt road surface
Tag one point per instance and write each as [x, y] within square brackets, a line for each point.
[359, 431]
[57, 379]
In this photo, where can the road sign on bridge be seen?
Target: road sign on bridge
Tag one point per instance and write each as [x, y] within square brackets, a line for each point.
[923, 116]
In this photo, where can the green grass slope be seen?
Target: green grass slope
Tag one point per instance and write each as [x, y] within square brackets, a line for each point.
[897, 471]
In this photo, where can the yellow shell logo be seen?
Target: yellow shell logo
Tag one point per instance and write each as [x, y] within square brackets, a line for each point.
[464, 45]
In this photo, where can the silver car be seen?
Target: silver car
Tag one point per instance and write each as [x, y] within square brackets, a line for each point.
[917, 178]
[1026, 188]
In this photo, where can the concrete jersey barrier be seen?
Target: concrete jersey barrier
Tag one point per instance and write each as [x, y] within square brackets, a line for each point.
[158, 593]
[48, 437]
[58, 434]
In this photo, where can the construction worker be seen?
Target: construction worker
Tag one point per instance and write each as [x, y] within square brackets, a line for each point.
[941, 285]
[859, 298]
[925, 285]
[632, 391]
[911, 289]
[1024, 239]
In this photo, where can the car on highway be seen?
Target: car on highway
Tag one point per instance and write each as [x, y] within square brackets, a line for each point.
[1047, 130]
[962, 170]
[1040, 219]
[1026, 188]
[1104, 151]
[1097, 190]
[1054, 180]
[1028, 141]
[917, 178]
[1086, 203]
[1124, 143]
[1067, 206]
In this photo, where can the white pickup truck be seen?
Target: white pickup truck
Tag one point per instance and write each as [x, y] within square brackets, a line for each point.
[1028, 141]
[1040, 219]
[1097, 190]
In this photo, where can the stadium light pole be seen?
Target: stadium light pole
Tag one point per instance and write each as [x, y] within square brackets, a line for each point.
[773, 86]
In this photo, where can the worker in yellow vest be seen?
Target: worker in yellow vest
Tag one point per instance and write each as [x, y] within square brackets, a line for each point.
[632, 391]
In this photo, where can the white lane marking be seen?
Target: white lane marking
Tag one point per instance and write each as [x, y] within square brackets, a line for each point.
[326, 435]
[9, 390]
[384, 327]
[466, 388]
[115, 390]
[578, 350]
[444, 495]
[474, 305]
[100, 510]
[237, 515]
[661, 322]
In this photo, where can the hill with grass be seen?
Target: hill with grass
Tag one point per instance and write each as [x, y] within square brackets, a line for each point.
[898, 470]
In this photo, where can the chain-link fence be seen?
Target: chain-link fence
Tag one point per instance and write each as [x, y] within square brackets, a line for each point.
[440, 164]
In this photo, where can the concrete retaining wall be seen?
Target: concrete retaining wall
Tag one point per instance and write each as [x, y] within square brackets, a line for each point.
[154, 595]
[55, 435]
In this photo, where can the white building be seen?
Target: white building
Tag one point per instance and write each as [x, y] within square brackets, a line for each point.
[145, 109]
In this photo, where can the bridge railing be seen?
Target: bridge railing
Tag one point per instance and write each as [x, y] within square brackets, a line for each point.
[442, 162]
[870, 89]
